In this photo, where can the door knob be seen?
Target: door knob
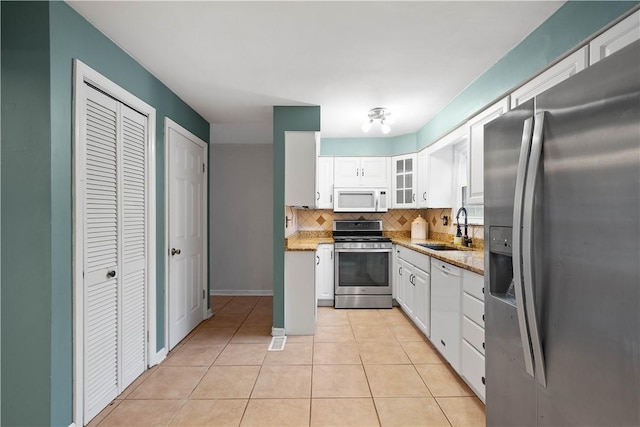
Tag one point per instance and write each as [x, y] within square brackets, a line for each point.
[175, 251]
[111, 274]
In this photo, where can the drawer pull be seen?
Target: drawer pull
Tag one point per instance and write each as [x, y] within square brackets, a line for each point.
[483, 317]
[483, 346]
[483, 290]
[483, 381]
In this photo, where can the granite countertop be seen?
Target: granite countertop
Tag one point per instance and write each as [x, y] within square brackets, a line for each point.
[468, 259]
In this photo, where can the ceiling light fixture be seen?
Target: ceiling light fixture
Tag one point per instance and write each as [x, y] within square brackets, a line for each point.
[381, 114]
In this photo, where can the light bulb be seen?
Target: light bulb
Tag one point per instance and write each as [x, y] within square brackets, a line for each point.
[366, 125]
[385, 127]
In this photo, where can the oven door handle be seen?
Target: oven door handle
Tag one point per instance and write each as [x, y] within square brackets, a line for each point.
[364, 250]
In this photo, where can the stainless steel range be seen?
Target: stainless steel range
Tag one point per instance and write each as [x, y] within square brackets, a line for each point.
[362, 265]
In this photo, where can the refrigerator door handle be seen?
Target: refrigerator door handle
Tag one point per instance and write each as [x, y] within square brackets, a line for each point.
[525, 148]
[527, 247]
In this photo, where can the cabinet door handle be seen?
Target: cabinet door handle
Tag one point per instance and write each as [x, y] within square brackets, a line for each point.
[357, 172]
[483, 381]
[175, 251]
[443, 343]
[330, 198]
[483, 346]
[318, 262]
[363, 172]
[318, 193]
[424, 196]
[111, 274]
[331, 255]
[400, 271]
[414, 197]
[483, 290]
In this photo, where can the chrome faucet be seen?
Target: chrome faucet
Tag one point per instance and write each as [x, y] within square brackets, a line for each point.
[466, 241]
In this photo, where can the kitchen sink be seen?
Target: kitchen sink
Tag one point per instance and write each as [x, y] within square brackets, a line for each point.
[438, 247]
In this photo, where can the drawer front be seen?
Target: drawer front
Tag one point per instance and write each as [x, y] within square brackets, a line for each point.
[473, 333]
[421, 261]
[473, 369]
[474, 284]
[473, 309]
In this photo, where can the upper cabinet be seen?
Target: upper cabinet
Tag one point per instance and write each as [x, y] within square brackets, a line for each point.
[423, 178]
[564, 69]
[404, 181]
[300, 168]
[622, 34]
[476, 149]
[324, 184]
[361, 172]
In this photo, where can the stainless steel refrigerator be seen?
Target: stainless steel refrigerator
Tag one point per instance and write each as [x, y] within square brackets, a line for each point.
[562, 253]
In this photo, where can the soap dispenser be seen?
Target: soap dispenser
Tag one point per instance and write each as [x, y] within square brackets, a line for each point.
[457, 240]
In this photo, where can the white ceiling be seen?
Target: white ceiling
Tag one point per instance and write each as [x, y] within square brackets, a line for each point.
[232, 61]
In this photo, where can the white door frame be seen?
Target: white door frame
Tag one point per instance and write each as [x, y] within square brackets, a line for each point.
[83, 74]
[170, 124]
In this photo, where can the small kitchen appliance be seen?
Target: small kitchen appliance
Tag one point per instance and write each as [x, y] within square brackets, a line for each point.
[362, 264]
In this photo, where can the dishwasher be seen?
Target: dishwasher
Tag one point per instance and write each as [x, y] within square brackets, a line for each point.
[446, 285]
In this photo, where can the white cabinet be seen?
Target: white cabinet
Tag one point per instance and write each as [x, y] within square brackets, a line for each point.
[324, 275]
[620, 35]
[299, 293]
[404, 181]
[414, 287]
[408, 292]
[440, 168]
[422, 301]
[446, 285]
[324, 183]
[473, 332]
[361, 172]
[564, 69]
[476, 149]
[300, 168]
[423, 178]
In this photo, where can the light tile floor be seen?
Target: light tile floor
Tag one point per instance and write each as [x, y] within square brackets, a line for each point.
[362, 368]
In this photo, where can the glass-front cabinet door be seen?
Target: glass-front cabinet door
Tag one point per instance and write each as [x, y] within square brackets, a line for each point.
[404, 181]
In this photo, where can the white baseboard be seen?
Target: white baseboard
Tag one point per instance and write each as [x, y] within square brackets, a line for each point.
[241, 292]
[209, 313]
[277, 332]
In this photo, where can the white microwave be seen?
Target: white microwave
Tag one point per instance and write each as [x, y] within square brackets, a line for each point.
[360, 200]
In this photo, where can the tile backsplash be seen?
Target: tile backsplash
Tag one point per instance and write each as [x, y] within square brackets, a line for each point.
[393, 220]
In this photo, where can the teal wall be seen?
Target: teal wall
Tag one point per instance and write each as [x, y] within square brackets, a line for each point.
[37, 201]
[385, 146]
[572, 24]
[284, 119]
[26, 212]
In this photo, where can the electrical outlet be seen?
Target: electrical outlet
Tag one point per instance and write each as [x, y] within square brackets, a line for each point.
[445, 220]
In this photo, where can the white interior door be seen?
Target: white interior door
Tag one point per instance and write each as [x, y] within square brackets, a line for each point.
[100, 266]
[114, 242]
[187, 234]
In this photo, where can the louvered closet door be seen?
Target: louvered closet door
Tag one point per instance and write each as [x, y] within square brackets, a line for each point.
[134, 260]
[101, 272]
[115, 253]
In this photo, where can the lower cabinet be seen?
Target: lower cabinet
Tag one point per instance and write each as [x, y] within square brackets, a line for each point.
[414, 287]
[473, 332]
[324, 275]
[299, 292]
[447, 304]
[446, 285]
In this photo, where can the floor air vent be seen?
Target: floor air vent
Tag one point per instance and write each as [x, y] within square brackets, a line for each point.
[277, 343]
